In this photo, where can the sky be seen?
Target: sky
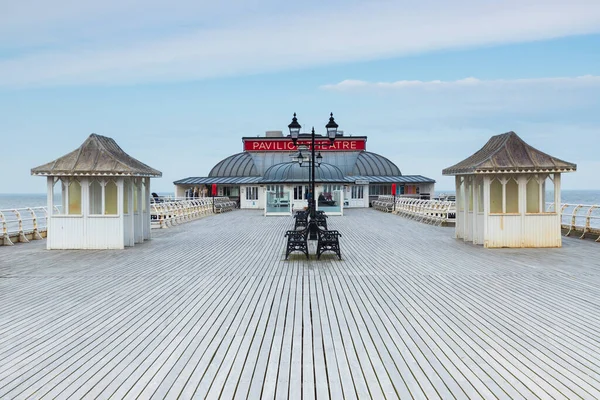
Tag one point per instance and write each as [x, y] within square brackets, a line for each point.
[177, 84]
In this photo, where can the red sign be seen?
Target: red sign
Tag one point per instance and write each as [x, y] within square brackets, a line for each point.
[320, 144]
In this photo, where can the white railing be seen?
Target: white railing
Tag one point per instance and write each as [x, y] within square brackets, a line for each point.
[22, 224]
[435, 212]
[169, 213]
[579, 219]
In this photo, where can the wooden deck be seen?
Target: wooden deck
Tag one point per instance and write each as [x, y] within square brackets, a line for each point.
[211, 309]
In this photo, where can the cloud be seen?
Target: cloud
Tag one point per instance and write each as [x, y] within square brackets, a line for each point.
[128, 42]
[584, 81]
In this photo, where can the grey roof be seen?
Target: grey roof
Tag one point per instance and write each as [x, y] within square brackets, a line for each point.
[293, 172]
[391, 179]
[98, 155]
[373, 164]
[234, 180]
[240, 164]
[509, 153]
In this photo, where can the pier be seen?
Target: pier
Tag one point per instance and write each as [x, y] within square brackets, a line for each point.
[210, 308]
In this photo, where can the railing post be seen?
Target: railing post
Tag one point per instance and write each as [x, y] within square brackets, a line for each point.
[573, 217]
[35, 235]
[5, 238]
[22, 238]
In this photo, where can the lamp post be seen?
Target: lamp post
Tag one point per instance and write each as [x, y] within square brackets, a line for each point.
[315, 161]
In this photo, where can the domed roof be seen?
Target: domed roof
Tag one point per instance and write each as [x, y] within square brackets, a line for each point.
[293, 172]
[240, 164]
[371, 164]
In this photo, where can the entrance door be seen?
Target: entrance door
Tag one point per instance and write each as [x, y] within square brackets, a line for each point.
[299, 197]
[250, 197]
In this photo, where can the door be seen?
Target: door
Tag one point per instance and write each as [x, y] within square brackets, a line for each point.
[300, 197]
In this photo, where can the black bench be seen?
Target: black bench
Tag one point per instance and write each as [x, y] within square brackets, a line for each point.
[321, 221]
[301, 220]
[328, 241]
[297, 241]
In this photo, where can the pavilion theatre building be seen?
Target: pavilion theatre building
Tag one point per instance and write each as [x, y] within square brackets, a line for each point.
[267, 171]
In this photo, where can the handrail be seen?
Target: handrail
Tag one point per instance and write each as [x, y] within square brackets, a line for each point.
[435, 212]
[164, 214]
[584, 218]
[21, 222]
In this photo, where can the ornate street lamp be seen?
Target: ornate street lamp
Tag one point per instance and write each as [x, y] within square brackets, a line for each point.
[315, 161]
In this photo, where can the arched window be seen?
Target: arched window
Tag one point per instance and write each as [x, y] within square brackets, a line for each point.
[126, 192]
[74, 196]
[548, 199]
[110, 198]
[533, 194]
[496, 196]
[504, 196]
[512, 196]
[95, 197]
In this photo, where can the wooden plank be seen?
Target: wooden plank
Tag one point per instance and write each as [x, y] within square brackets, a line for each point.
[207, 310]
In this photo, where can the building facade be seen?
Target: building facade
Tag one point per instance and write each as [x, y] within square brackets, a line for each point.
[266, 169]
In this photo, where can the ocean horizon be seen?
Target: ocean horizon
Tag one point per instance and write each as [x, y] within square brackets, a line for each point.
[23, 200]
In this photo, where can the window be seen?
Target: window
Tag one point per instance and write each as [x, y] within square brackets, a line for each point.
[533, 195]
[229, 191]
[496, 197]
[252, 193]
[357, 192]
[74, 195]
[110, 198]
[512, 196]
[297, 192]
[70, 196]
[548, 194]
[469, 194]
[144, 199]
[277, 189]
[126, 193]
[95, 197]
[504, 196]
[377, 190]
[479, 189]
[136, 188]
[331, 188]
[103, 197]
[539, 189]
[461, 194]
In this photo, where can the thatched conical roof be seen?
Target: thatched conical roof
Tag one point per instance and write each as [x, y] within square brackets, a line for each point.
[509, 153]
[98, 155]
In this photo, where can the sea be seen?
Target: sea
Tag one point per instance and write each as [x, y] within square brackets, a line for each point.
[10, 201]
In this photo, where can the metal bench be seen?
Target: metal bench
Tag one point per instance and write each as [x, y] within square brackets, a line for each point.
[297, 241]
[328, 241]
[301, 218]
[222, 205]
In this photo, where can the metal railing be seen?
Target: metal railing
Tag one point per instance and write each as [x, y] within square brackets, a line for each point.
[23, 224]
[579, 219]
[169, 213]
[435, 212]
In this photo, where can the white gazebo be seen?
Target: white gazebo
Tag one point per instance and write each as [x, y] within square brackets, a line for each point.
[508, 195]
[98, 197]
